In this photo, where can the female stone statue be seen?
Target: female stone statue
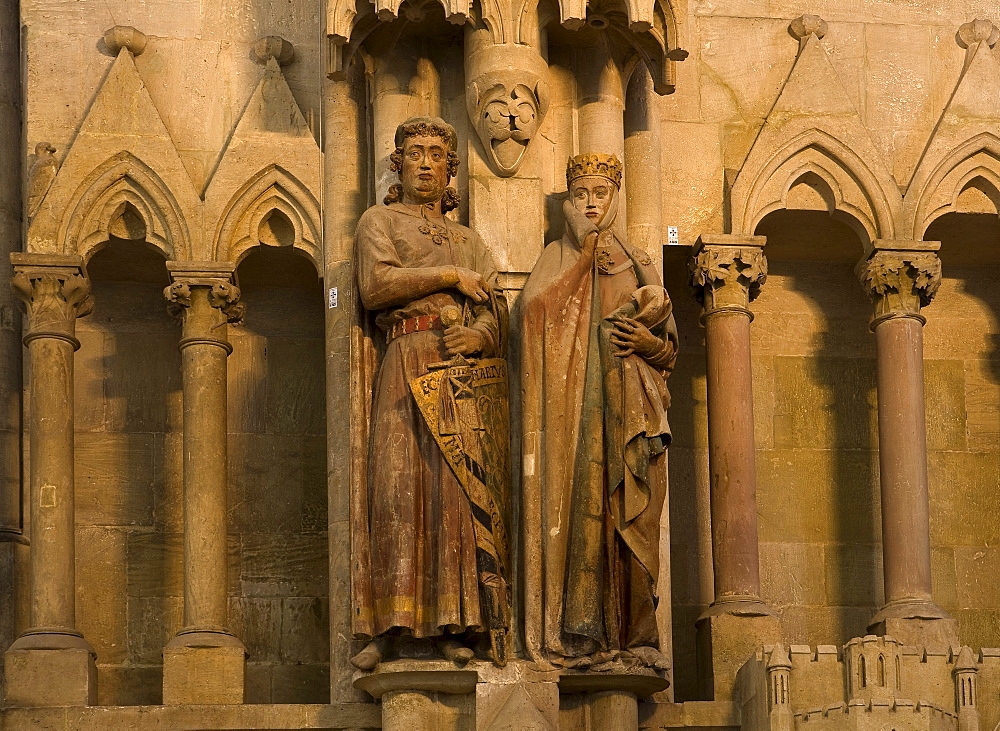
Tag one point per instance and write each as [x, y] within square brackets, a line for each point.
[427, 533]
[598, 339]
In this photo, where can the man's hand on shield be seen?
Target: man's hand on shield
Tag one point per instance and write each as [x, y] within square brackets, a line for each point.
[461, 340]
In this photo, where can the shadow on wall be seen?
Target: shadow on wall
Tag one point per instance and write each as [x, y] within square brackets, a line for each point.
[129, 482]
[969, 246]
[818, 491]
[816, 434]
[963, 409]
[690, 556]
[277, 483]
[128, 490]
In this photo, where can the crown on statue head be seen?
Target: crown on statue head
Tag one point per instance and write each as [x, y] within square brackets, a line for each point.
[594, 163]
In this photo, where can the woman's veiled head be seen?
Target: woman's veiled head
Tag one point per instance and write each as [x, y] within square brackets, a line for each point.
[593, 180]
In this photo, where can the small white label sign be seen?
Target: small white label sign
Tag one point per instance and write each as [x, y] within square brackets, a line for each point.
[673, 237]
[333, 297]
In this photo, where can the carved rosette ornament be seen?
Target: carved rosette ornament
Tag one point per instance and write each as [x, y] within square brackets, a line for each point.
[54, 298]
[507, 100]
[900, 282]
[728, 277]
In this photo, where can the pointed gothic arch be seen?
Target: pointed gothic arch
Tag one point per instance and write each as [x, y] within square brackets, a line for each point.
[272, 189]
[935, 191]
[123, 182]
[865, 198]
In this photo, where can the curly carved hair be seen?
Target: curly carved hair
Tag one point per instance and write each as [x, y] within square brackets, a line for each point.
[425, 127]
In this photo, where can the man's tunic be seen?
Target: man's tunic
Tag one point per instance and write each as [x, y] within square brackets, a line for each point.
[419, 573]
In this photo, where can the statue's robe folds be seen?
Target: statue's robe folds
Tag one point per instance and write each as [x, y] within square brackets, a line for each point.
[413, 544]
[593, 461]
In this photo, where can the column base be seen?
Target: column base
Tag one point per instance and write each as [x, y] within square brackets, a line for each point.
[204, 667]
[50, 667]
[727, 635]
[918, 622]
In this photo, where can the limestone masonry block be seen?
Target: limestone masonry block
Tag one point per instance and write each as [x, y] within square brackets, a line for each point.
[203, 675]
[64, 677]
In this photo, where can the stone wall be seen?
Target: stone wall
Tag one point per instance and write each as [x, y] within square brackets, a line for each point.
[890, 81]
[129, 509]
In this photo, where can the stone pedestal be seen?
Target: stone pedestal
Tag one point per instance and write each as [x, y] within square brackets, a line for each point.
[613, 698]
[201, 668]
[423, 695]
[725, 641]
[517, 696]
[934, 632]
[41, 676]
[435, 695]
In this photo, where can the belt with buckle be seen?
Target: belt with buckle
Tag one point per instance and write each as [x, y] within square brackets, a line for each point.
[413, 325]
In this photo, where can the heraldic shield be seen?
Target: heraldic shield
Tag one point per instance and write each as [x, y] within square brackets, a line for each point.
[465, 405]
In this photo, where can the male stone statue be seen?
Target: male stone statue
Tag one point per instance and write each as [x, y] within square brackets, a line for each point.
[598, 340]
[430, 546]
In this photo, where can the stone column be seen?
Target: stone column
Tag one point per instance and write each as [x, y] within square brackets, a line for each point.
[348, 358]
[600, 103]
[507, 102]
[14, 555]
[643, 192]
[727, 272]
[613, 698]
[51, 664]
[403, 84]
[902, 277]
[204, 662]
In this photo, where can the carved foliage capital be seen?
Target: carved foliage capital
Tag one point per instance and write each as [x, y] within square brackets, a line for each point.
[901, 282]
[728, 276]
[53, 299]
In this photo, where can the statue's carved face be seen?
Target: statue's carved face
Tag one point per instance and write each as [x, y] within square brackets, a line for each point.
[424, 173]
[592, 195]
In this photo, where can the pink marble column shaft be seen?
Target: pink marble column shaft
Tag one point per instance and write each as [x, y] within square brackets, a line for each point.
[727, 272]
[902, 277]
